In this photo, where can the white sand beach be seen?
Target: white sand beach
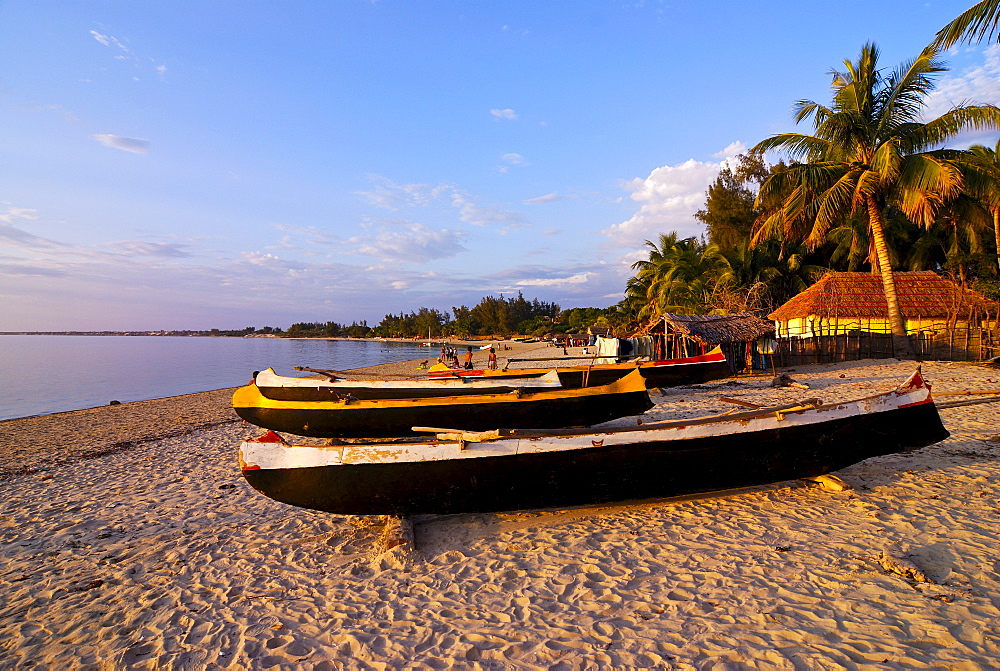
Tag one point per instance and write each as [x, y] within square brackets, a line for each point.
[139, 551]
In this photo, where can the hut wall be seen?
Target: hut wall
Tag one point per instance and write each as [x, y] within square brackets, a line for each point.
[963, 343]
[814, 326]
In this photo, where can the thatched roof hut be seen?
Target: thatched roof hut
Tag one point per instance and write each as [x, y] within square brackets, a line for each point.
[841, 302]
[713, 329]
[687, 335]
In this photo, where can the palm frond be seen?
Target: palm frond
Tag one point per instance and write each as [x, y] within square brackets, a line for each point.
[887, 161]
[805, 109]
[928, 173]
[973, 25]
[905, 93]
[951, 123]
[796, 145]
[834, 204]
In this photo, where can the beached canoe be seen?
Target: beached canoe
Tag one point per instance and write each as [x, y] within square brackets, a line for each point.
[535, 409]
[661, 373]
[523, 469]
[282, 388]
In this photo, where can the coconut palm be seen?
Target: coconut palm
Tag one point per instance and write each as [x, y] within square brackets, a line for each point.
[973, 25]
[982, 177]
[853, 247]
[955, 242]
[639, 292]
[678, 276]
[869, 151]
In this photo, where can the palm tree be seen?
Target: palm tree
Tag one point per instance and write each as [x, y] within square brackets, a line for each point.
[853, 246]
[954, 243]
[977, 22]
[639, 291]
[678, 276]
[869, 151]
[982, 178]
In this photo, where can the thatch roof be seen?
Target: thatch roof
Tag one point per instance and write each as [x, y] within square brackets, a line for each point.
[921, 294]
[712, 329]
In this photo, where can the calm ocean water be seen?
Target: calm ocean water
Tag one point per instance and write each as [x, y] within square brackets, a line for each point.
[45, 374]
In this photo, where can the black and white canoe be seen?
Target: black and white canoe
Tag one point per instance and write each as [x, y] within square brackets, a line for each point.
[284, 388]
[461, 472]
[347, 417]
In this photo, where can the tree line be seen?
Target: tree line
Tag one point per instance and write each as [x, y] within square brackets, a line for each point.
[492, 316]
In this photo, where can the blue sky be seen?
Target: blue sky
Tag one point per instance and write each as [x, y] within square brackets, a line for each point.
[175, 164]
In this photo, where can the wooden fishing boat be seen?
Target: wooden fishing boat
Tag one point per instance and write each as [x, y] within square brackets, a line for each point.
[661, 373]
[283, 388]
[462, 472]
[539, 409]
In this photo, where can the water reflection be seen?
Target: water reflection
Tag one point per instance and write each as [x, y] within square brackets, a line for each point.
[45, 374]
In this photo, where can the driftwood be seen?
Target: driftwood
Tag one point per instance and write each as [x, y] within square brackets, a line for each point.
[736, 401]
[901, 567]
[332, 375]
[973, 401]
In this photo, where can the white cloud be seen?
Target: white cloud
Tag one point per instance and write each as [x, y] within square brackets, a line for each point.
[734, 149]
[547, 198]
[259, 258]
[129, 144]
[513, 159]
[473, 213]
[392, 196]
[668, 199]
[979, 84]
[389, 195]
[13, 238]
[163, 250]
[111, 41]
[415, 243]
[508, 114]
[123, 52]
[579, 278]
[12, 213]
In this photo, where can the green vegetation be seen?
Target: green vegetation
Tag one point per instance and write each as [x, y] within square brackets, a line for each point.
[869, 155]
[870, 189]
[491, 317]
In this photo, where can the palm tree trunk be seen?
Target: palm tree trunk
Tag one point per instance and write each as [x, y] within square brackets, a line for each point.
[901, 343]
[996, 230]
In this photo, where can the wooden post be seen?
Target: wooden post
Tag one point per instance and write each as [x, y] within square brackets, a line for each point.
[968, 329]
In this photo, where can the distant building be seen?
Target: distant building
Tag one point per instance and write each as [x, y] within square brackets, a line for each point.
[842, 303]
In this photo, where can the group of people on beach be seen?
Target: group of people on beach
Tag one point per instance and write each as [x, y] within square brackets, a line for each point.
[449, 356]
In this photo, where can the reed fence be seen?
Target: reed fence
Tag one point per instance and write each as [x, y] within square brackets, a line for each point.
[958, 344]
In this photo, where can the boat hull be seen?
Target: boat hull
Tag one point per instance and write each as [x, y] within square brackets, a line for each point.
[279, 388]
[380, 418]
[664, 373]
[591, 468]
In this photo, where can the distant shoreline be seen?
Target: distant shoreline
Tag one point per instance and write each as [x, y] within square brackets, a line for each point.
[202, 334]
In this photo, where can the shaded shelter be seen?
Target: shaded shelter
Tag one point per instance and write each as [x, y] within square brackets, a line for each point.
[676, 336]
